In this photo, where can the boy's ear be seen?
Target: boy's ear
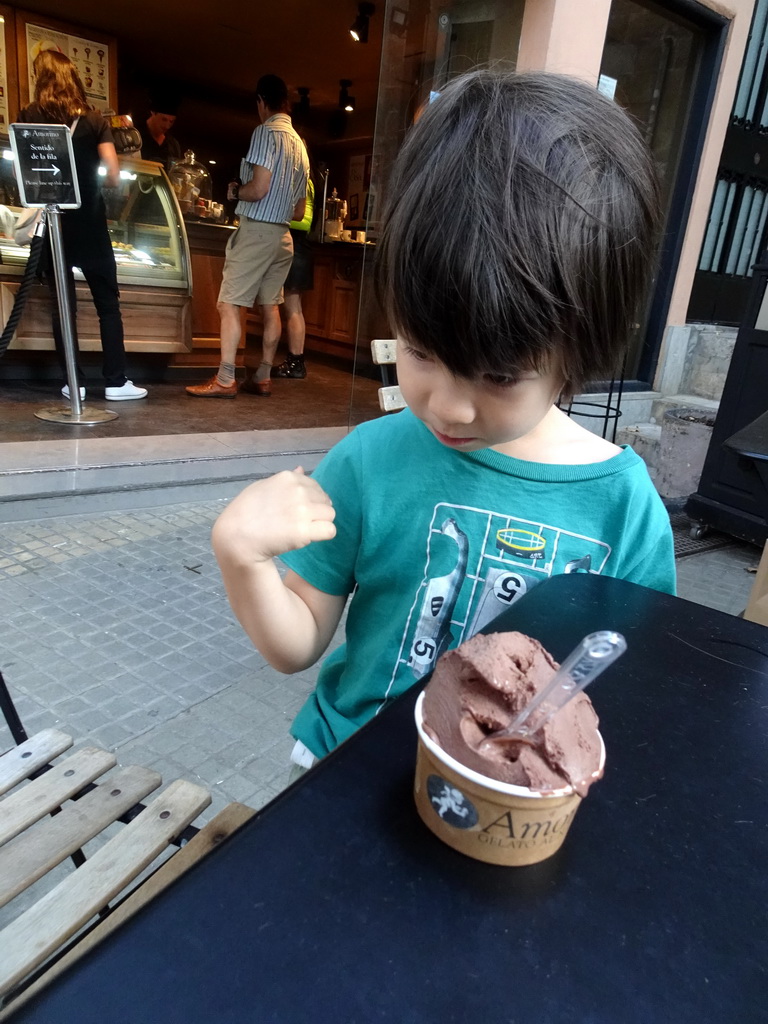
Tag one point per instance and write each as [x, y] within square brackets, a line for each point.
[567, 391]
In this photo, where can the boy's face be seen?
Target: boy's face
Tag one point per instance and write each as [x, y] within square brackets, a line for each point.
[472, 414]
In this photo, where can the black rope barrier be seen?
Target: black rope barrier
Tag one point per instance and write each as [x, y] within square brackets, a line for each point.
[35, 251]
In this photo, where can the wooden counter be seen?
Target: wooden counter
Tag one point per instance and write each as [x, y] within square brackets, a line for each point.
[331, 308]
[165, 320]
[207, 242]
[154, 319]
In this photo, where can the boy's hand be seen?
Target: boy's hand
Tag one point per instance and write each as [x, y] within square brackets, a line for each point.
[272, 516]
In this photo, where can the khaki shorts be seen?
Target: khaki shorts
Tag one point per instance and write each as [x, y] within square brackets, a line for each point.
[257, 260]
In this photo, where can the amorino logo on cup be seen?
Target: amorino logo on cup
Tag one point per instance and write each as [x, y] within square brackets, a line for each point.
[538, 831]
[451, 804]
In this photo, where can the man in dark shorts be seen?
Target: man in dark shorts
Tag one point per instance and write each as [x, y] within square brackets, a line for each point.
[300, 279]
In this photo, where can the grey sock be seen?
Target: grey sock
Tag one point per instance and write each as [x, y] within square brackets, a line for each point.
[263, 372]
[226, 374]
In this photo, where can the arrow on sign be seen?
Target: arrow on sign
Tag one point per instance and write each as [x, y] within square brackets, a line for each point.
[49, 170]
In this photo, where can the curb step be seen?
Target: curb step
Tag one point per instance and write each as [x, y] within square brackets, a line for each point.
[59, 478]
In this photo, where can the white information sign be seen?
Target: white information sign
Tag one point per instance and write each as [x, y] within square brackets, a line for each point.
[45, 165]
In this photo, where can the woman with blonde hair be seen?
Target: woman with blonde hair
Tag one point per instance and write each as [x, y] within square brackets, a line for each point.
[60, 99]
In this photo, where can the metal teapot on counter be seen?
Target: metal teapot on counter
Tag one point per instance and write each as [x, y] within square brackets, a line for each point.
[335, 215]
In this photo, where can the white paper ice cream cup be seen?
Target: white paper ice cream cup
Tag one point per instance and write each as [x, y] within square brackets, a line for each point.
[486, 819]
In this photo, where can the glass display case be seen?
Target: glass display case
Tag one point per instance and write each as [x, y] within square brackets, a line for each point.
[154, 269]
[145, 223]
[146, 226]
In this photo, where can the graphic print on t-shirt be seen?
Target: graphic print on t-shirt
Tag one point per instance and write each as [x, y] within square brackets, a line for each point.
[478, 563]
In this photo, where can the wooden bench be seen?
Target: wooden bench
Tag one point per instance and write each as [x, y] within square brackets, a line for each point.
[52, 805]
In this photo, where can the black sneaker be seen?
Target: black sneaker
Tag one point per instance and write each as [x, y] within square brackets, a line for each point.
[292, 367]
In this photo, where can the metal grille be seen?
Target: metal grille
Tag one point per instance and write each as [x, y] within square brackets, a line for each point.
[687, 545]
[738, 214]
[750, 108]
[737, 219]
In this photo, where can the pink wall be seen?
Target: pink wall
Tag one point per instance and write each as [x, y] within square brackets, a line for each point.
[564, 36]
[568, 36]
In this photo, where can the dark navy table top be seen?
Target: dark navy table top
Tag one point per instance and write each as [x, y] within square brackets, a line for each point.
[336, 904]
[752, 440]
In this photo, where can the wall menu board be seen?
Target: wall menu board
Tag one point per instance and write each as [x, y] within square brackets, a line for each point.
[94, 54]
[90, 57]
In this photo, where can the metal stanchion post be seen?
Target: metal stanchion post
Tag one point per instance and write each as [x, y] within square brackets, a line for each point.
[76, 412]
[47, 179]
[65, 310]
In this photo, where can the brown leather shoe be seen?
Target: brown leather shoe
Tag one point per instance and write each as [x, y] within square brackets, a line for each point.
[262, 388]
[212, 389]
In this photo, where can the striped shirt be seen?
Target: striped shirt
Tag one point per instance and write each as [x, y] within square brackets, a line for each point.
[276, 146]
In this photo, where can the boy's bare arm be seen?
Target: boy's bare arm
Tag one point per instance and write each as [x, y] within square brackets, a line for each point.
[291, 623]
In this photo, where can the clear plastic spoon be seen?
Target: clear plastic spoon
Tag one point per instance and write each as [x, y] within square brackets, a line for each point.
[583, 665]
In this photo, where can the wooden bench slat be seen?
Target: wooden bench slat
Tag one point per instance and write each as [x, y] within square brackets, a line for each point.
[44, 927]
[26, 858]
[227, 821]
[19, 810]
[22, 761]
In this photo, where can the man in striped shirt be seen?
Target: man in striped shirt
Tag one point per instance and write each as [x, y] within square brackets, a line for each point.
[258, 257]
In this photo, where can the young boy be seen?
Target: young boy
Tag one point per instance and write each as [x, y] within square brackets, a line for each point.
[515, 250]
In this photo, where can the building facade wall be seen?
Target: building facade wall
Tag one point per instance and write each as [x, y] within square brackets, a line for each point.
[560, 35]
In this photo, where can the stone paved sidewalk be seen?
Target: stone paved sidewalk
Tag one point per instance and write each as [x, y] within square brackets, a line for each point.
[116, 628]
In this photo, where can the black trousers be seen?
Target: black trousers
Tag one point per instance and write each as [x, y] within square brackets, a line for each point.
[102, 281]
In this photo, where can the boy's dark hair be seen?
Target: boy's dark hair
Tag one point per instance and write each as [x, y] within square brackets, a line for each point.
[519, 228]
[274, 92]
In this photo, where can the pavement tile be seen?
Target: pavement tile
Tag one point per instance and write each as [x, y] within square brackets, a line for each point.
[113, 735]
[260, 798]
[212, 769]
[240, 788]
[164, 742]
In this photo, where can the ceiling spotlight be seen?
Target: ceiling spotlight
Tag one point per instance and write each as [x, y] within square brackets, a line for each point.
[359, 27]
[346, 102]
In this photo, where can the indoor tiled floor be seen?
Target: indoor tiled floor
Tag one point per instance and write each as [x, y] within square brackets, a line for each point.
[329, 396]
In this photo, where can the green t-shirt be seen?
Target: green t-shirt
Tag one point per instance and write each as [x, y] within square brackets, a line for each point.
[433, 543]
[306, 222]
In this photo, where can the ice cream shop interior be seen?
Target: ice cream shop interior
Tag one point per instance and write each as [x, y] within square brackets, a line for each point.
[693, 74]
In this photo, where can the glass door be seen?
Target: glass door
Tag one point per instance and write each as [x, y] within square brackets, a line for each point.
[426, 44]
[660, 63]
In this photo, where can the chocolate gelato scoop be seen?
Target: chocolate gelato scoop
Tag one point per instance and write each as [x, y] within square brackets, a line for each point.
[481, 687]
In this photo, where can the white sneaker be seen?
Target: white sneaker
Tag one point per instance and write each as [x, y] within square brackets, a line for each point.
[125, 393]
[65, 392]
